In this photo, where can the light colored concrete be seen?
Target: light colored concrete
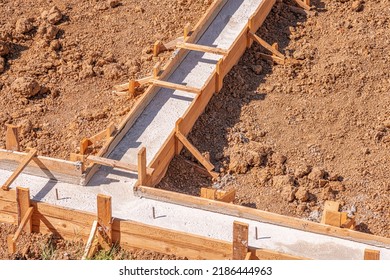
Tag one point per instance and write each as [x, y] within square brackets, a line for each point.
[151, 130]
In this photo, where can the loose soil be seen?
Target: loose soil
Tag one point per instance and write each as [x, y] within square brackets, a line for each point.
[60, 60]
[290, 137]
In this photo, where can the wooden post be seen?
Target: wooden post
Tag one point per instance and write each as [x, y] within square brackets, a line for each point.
[371, 254]
[187, 30]
[240, 240]
[249, 39]
[177, 142]
[23, 204]
[219, 76]
[12, 138]
[156, 70]
[104, 217]
[92, 242]
[132, 86]
[84, 146]
[157, 48]
[142, 166]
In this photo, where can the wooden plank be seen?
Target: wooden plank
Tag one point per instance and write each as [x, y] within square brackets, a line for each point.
[91, 246]
[156, 70]
[261, 14]
[116, 164]
[32, 153]
[11, 244]
[372, 254]
[329, 206]
[219, 75]
[227, 197]
[104, 217]
[23, 205]
[264, 254]
[103, 135]
[9, 196]
[201, 48]
[332, 218]
[12, 137]
[56, 169]
[240, 240]
[259, 215]
[266, 45]
[142, 166]
[171, 45]
[194, 151]
[187, 30]
[208, 193]
[169, 85]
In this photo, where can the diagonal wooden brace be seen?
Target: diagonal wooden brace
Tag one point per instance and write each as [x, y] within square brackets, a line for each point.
[305, 4]
[267, 46]
[31, 154]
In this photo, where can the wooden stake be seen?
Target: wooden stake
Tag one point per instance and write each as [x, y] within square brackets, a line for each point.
[187, 30]
[240, 240]
[142, 166]
[104, 218]
[116, 164]
[177, 142]
[219, 76]
[23, 204]
[12, 138]
[305, 4]
[371, 254]
[25, 223]
[132, 86]
[32, 153]
[156, 70]
[11, 244]
[158, 47]
[84, 144]
[91, 247]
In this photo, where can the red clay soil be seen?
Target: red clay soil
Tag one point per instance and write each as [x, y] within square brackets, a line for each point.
[59, 61]
[290, 137]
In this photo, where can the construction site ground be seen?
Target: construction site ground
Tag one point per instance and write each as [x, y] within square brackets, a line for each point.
[287, 138]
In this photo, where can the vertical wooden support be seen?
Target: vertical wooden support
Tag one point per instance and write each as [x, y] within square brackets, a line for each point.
[307, 2]
[240, 240]
[156, 70]
[23, 204]
[219, 76]
[371, 254]
[84, 146]
[12, 138]
[110, 129]
[132, 86]
[11, 244]
[177, 142]
[249, 39]
[187, 30]
[156, 48]
[104, 217]
[142, 166]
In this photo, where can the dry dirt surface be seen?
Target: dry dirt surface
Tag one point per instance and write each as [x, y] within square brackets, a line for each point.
[38, 246]
[60, 59]
[290, 137]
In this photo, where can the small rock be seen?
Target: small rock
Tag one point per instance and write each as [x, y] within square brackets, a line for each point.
[278, 158]
[281, 181]
[4, 49]
[48, 31]
[257, 69]
[385, 123]
[316, 174]
[357, 6]
[86, 72]
[288, 193]
[302, 171]
[114, 3]
[337, 186]
[301, 208]
[302, 194]
[54, 15]
[26, 86]
[25, 126]
[24, 25]
[55, 45]
[2, 64]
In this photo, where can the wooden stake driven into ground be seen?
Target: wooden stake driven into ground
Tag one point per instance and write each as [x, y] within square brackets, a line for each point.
[91, 247]
[187, 30]
[214, 194]
[25, 212]
[372, 254]
[142, 166]
[331, 216]
[104, 219]
[240, 240]
[31, 154]
[12, 138]
[201, 48]
[160, 47]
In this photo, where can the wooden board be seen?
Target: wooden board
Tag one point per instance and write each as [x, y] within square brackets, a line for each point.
[264, 254]
[56, 169]
[372, 254]
[240, 240]
[12, 138]
[261, 14]
[260, 216]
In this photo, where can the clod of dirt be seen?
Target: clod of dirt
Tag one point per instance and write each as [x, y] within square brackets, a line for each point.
[302, 171]
[24, 25]
[4, 49]
[316, 174]
[302, 194]
[257, 69]
[357, 6]
[26, 127]
[2, 64]
[114, 3]
[55, 45]
[288, 193]
[54, 15]
[26, 86]
[279, 182]
[47, 31]
[252, 154]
